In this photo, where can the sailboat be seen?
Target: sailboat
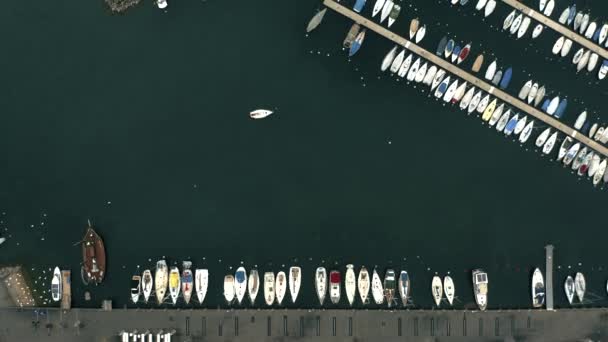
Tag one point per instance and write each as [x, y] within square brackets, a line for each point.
[56, 289]
[363, 284]
[146, 284]
[201, 283]
[437, 290]
[295, 280]
[160, 280]
[404, 287]
[281, 286]
[174, 284]
[321, 284]
[240, 284]
[187, 281]
[253, 285]
[350, 284]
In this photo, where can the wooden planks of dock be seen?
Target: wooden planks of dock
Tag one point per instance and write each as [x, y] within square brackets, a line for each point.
[66, 290]
[559, 28]
[471, 79]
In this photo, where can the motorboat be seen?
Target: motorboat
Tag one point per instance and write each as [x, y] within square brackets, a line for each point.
[566, 48]
[281, 286]
[377, 290]
[540, 140]
[521, 124]
[351, 35]
[580, 120]
[260, 113]
[229, 288]
[201, 282]
[497, 77]
[571, 15]
[295, 281]
[477, 64]
[389, 287]
[538, 289]
[564, 16]
[566, 144]
[316, 20]
[269, 288]
[550, 143]
[175, 284]
[135, 288]
[414, 27]
[590, 30]
[334, 286]
[162, 4]
[448, 288]
[359, 4]
[363, 284]
[404, 287]
[253, 285]
[161, 278]
[603, 70]
[388, 59]
[392, 17]
[561, 108]
[578, 19]
[187, 281]
[489, 9]
[437, 290]
[542, 5]
[240, 284]
[527, 132]
[321, 284]
[592, 62]
[578, 55]
[481, 4]
[405, 66]
[580, 286]
[350, 283]
[146, 284]
[549, 8]
[56, 285]
[557, 46]
[569, 289]
[593, 130]
[480, 288]
[572, 152]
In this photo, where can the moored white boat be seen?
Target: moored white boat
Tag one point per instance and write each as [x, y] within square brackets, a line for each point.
[187, 281]
[146, 284]
[525, 90]
[572, 152]
[599, 174]
[295, 281]
[321, 284]
[397, 61]
[430, 75]
[437, 290]
[540, 140]
[162, 4]
[378, 7]
[56, 285]
[229, 288]
[564, 148]
[523, 28]
[201, 282]
[389, 286]
[404, 287]
[580, 286]
[448, 288]
[502, 122]
[538, 29]
[496, 115]
[281, 286]
[260, 113]
[550, 143]
[557, 46]
[569, 289]
[527, 132]
[474, 102]
[334, 286]
[439, 76]
[253, 285]
[566, 48]
[388, 59]
[363, 284]
[421, 73]
[480, 288]
[240, 284]
[413, 70]
[420, 34]
[377, 290]
[491, 71]
[449, 93]
[481, 107]
[509, 20]
[161, 278]
[516, 23]
[135, 288]
[578, 160]
[468, 96]
[521, 124]
[269, 288]
[405, 66]
[538, 289]
[350, 284]
[386, 10]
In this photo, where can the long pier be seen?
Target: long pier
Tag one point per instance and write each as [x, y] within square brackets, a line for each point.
[559, 28]
[549, 273]
[454, 70]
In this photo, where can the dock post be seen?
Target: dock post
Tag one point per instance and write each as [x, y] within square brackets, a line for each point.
[549, 271]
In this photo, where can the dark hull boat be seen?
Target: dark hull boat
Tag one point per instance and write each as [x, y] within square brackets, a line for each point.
[93, 257]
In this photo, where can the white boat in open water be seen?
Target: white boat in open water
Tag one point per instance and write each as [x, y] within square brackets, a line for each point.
[281, 287]
[240, 285]
[377, 290]
[162, 4]
[448, 288]
[295, 281]
[161, 278]
[253, 285]
[269, 292]
[480, 288]
[229, 288]
[260, 113]
[363, 284]
[350, 284]
[580, 286]
[321, 284]
[201, 282]
[437, 290]
[56, 285]
[146, 284]
[538, 289]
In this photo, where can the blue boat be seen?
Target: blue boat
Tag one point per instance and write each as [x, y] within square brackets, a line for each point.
[561, 108]
[356, 45]
[571, 15]
[586, 126]
[596, 35]
[359, 6]
[455, 53]
[441, 47]
[545, 105]
[443, 87]
[506, 78]
[511, 124]
[449, 48]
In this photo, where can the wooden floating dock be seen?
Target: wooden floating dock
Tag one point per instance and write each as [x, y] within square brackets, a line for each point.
[549, 276]
[66, 290]
[478, 83]
[559, 28]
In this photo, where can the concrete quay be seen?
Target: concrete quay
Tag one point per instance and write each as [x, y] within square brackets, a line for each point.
[305, 325]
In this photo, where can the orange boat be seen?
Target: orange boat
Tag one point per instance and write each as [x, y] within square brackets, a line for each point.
[93, 257]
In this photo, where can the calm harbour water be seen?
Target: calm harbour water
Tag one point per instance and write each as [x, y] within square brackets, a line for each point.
[139, 122]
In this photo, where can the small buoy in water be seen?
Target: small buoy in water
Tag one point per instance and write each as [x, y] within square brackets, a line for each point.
[87, 295]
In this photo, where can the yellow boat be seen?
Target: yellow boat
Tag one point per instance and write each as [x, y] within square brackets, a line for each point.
[174, 284]
[487, 114]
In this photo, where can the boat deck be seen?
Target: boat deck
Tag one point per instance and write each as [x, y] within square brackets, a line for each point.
[559, 28]
[455, 70]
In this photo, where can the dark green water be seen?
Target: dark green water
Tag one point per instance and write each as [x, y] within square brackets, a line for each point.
[139, 122]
